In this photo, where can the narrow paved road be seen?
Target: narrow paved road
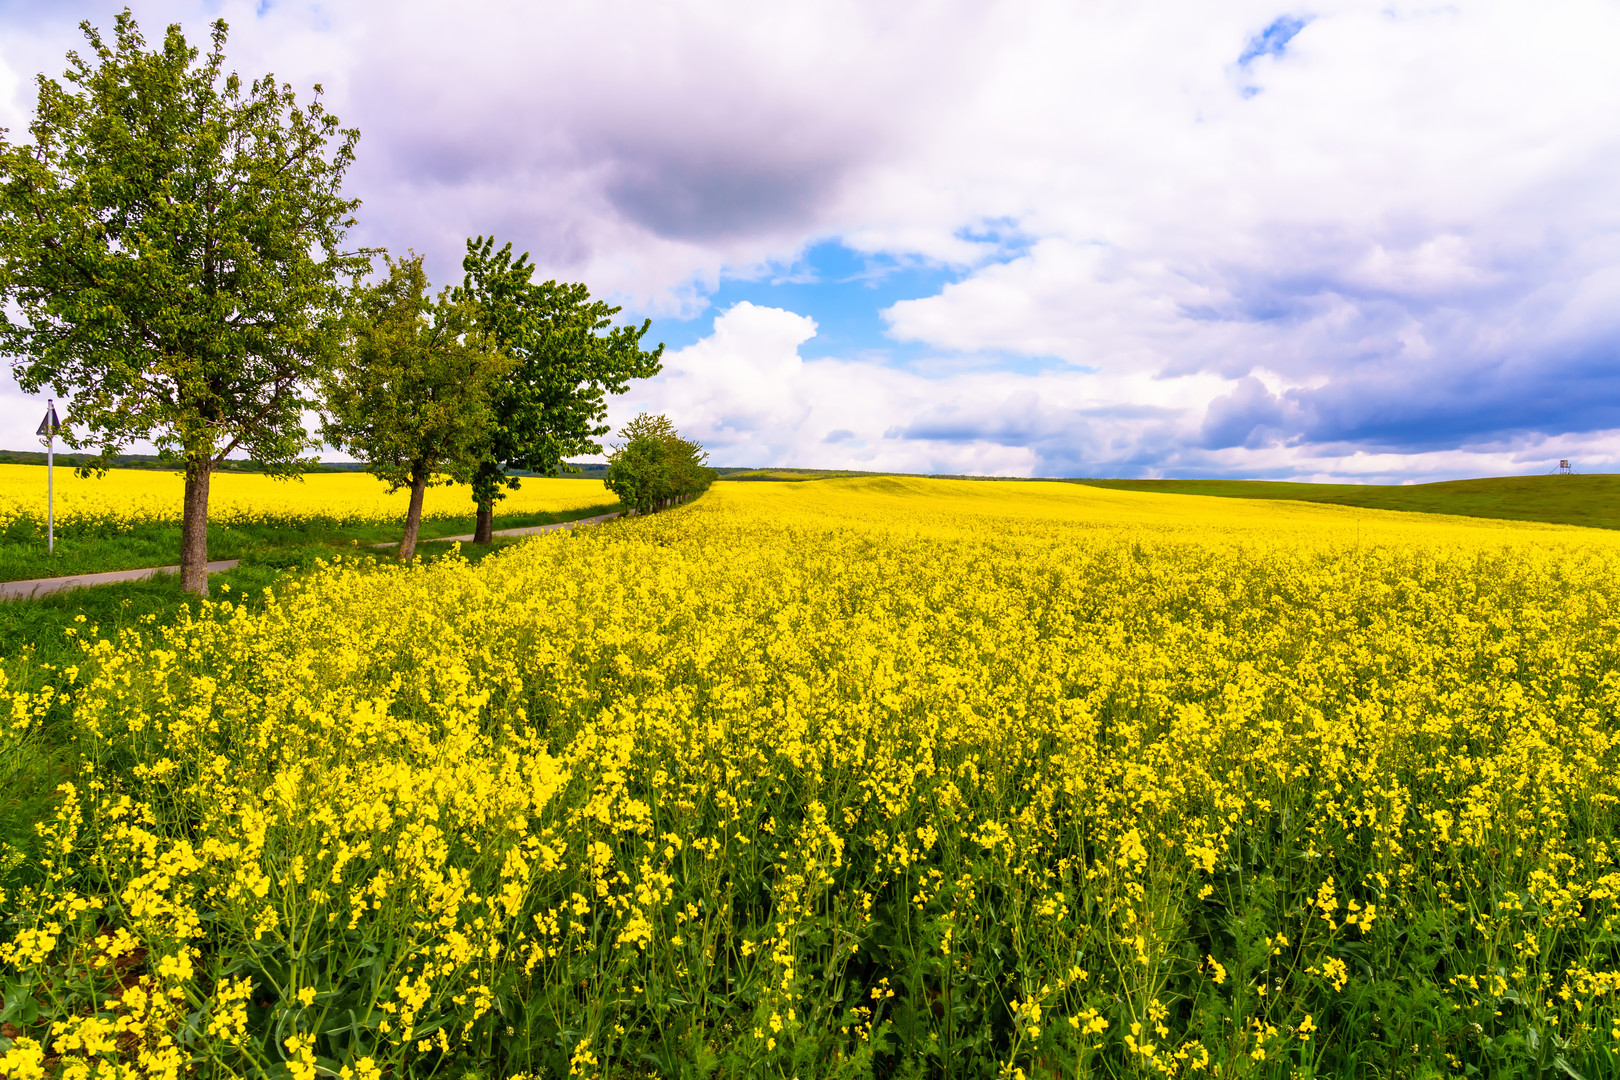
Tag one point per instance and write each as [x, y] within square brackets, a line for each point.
[27, 590]
[529, 531]
[535, 528]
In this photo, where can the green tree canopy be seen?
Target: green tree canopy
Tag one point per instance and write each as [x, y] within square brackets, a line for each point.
[654, 466]
[567, 356]
[172, 241]
[412, 394]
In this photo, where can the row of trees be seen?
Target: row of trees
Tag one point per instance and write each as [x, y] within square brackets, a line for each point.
[655, 467]
[174, 259]
[494, 375]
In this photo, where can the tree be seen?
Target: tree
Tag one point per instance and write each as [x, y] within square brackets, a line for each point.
[654, 466]
[412, 394]
[638, 474]
[172, 243]
[567, 356]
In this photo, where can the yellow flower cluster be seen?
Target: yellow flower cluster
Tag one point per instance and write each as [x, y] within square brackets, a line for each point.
[855, 776]
[125, 497]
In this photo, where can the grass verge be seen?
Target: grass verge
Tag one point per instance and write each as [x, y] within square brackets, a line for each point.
[95, 550]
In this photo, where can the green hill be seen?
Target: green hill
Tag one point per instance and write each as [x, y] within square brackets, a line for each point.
[1592, 500]
[790, 475]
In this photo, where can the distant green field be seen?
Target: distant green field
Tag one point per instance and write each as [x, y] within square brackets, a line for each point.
[1592, 500]
[792, 475]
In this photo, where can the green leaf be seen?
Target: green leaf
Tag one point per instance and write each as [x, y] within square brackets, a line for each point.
[1564, 1066]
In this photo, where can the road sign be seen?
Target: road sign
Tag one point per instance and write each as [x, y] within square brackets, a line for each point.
[49, 426]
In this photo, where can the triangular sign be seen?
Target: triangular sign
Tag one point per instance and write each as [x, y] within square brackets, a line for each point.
[50, 425]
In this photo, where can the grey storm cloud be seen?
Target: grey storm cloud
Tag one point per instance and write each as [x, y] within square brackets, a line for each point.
[1021, 420]
[1401, 410]
[765, 174]
[1395, 406]
[704, 135]
[717, 196]
[1244, 417]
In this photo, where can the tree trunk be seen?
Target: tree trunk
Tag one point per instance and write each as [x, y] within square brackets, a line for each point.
[485, 486]
[413, 518]
[194, 526]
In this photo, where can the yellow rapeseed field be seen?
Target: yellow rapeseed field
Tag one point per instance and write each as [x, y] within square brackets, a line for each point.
[846, 778]
[127, 497]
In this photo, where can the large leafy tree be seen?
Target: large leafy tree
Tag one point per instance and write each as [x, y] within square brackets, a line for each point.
[567, 356]
[172, 245]
[412, 395]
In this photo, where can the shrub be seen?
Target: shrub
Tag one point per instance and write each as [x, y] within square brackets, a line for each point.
[655, 467]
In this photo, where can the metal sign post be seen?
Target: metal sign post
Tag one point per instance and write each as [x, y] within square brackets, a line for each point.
[48, 428]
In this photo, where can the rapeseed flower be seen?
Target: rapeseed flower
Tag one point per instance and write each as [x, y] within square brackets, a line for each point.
[823, 778]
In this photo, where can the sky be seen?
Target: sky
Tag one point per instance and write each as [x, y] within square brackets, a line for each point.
[1345, 241]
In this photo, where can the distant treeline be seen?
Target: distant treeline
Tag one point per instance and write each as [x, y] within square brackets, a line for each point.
[583, 470]
[149, 461]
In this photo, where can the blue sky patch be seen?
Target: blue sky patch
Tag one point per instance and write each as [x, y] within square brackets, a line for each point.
[843, 290]
[1273, 39]
[846, 292]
